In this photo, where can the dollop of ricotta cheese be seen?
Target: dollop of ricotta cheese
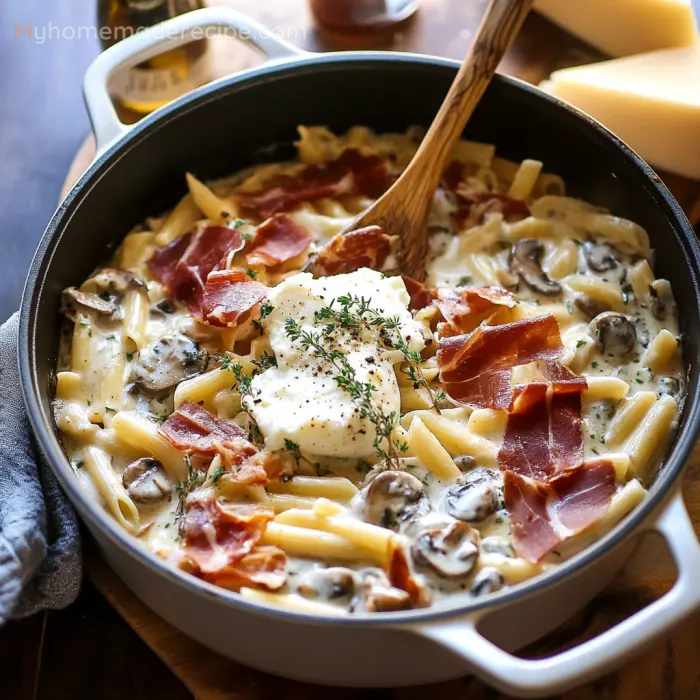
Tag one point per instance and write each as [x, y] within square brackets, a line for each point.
[300, 400]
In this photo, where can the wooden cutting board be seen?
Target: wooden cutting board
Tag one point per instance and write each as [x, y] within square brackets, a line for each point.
[671, 670]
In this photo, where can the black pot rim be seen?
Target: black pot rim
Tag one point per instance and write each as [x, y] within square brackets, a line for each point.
[44, 430]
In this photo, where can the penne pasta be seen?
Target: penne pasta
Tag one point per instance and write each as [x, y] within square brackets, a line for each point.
[605, 388]
[135, 320]
[312, 543]
[525, 179]
[181, 220]
[651, 436]
[604, 292]
[141, 434]
[628, 416]
[338, 488]
[215, 209]
[428, 449]
[661, 351]
[110, 488]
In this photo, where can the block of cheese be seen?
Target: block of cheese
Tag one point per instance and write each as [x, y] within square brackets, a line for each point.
[624, 27]
[651, 101]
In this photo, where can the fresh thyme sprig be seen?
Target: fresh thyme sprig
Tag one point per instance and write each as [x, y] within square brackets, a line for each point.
[244, 382]
[360, 392]
[266, 309]
[355, 313]
[195, 478]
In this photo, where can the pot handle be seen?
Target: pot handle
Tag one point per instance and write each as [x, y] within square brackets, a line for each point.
[558, 673]
[148, 43]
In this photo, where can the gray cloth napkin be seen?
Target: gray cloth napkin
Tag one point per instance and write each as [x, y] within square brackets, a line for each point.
[40, 563]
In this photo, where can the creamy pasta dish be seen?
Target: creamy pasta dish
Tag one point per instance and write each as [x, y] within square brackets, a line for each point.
[273, 408]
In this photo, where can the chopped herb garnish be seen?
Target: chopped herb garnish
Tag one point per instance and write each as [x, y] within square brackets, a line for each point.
[594, 365]
[266, 361]
[111, 336]
[78, 464]
[291, 445]
[466, 279]
[265, 310]
[217, 474]
[251, 273]
[194, 479]
[580, 343]
[129, 356]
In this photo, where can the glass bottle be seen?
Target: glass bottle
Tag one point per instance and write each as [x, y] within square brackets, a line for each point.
[141, 89]
[361, 17]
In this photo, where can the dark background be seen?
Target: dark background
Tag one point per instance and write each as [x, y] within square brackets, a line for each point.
[42, 124]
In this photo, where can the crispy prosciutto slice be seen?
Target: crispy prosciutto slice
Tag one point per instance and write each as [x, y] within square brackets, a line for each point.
[221, 544]
[544, 433]
[183, 265]
[583, 495]
[421, 296]
[545, 514]
[216, 536]
[265, 567]
[195, 431]
[465, 308]
[401, 576]
[475, 207]
[352, 173]
[347, 252]
[277, 240]
[475, 369]
[526, 444]
[526, 503]
[229, 295]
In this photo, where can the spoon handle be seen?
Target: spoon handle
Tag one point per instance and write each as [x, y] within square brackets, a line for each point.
[498, 28]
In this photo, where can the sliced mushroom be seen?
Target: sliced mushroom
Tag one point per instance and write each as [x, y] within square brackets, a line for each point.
[600, 256]
[590, 307]
[614, 332]
[451, 552]
[497, 545]
[488, 580]
[73, 298]
[167, 362]
[113, 280]
[474, 498]
[164, 307]
[668, 386]
[146, 481]
[328, 584]
[392, 498]
[465, 463]
[525, 262]
[662, 301]
[376, 594]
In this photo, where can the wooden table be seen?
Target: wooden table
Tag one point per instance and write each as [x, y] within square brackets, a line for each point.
[88, 651]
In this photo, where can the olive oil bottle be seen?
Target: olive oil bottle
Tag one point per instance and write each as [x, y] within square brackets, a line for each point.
[143, 88]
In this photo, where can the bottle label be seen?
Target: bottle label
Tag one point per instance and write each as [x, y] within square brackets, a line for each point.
[157, 86]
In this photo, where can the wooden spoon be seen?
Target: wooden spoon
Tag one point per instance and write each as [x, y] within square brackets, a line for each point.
[403, 209]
